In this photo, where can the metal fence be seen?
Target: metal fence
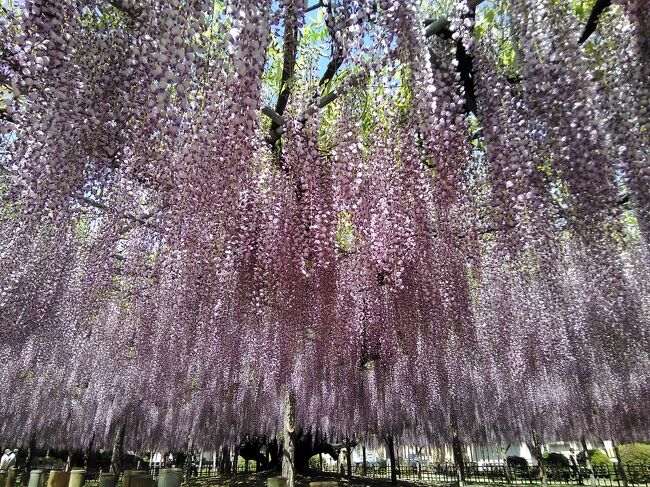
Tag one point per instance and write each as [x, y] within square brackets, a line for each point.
[605, 476]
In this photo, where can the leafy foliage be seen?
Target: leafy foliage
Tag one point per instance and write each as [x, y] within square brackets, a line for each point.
[597, 458]
[554, 459]
[635, 453]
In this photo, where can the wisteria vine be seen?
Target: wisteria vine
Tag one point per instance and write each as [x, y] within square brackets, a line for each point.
[391, 259]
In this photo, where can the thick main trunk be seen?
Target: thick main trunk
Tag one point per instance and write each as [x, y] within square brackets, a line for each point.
[28, 460]
[536, 450]
[459, 461]
[289, 446]
[348, 458]
[235, 460]
[187, 465]
[88, 451]
[118, 451]
[391, 455]
[506, 464]
[308, 444]
[225, 467]
[590, 468]
[619, 464]
[365, 465]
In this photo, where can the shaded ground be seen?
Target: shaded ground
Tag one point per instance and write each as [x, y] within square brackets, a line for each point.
[259, 480]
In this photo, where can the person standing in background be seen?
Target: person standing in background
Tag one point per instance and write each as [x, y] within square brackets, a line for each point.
[12, 458]
[4, 461]
[573, 462]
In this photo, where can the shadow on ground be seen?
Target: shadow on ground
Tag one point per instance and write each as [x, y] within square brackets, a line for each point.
[259, 480]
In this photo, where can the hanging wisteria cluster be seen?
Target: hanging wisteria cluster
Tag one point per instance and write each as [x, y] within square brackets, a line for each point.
[390, 258]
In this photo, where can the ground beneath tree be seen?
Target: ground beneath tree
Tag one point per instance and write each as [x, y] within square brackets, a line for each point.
[259, 479]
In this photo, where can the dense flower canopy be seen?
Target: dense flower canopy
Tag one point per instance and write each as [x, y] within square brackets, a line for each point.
[414, 250]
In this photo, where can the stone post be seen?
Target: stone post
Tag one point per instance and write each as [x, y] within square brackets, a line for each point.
[10, 478]
[106, 479]
[276, 482]
[36, 478]
[77, 478]
[170, 477]
[58, 478]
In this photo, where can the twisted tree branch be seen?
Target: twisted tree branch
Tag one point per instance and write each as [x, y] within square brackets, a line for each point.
[592, 22]
[337, 53]
[433, 27]
[121, 5]
[289, 61]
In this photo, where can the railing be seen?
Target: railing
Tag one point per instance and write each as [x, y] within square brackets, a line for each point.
[605, 476]
[206, 470]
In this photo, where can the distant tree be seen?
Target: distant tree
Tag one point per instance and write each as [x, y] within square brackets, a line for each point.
[516, 462]
[597, 458]
[635, 453]
[555, 459]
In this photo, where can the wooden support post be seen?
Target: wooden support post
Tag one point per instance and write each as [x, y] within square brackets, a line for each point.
[590, 468]
[288, 445]
[457, 450]
[365, 465]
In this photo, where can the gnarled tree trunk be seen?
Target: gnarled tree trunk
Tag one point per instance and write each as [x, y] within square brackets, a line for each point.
[590, 468]
[28, 459]
[88, 451]
[289, 446]
[619, 465]
[391, 455]
[457, 449]
[225, 466]
[117, 458]
[536, 450]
